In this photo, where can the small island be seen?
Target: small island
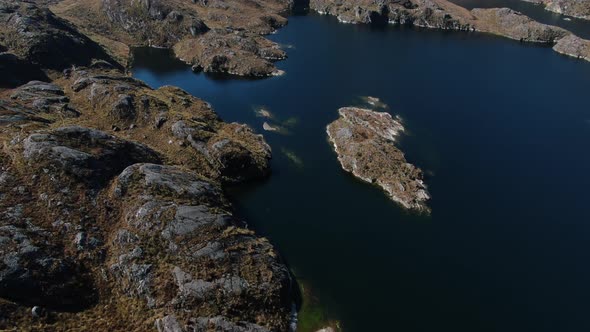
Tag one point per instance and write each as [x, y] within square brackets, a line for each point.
[365, 143]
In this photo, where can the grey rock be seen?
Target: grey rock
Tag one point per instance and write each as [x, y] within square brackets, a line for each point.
[44, 97]
[160, 179]
[168, 323]
[124, 108]
[223, 324]
[89, 155]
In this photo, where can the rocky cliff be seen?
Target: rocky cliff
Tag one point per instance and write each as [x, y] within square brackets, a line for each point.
[112, 212]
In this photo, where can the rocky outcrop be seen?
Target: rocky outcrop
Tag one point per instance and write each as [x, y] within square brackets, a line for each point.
[573, 46]
[213, 36]
[438, 14]
[179, 247]
[233, 52]
[512, 24]
[441, 14]
[86, 155]
[574, 8]
[44, 97]
[36, 35]
[153, 22]
[113, 215]
[92, 222]
[364, 141]
[33, 271]
[171, 120]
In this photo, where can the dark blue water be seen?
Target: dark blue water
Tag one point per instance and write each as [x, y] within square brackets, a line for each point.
[502, 129]
[537, 12]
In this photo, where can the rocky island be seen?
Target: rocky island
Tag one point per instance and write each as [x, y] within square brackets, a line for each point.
[364, 141]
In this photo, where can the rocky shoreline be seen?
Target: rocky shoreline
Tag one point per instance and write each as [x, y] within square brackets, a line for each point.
[364, 141]
[442, 14]
[213, 36]
[573, 8]
[113, 213]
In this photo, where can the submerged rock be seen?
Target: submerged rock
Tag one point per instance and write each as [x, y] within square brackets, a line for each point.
[365, 143]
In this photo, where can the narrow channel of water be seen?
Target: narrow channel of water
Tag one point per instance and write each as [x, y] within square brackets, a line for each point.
[502, 130]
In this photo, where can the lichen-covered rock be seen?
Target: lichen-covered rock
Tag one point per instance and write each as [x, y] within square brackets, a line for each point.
[365, 143]
[33, 271]
[573, 46]
[45, 97]
[213, 36]
[12, 113]
[179, 247]
[439, 14]
[232, 52]
[89, 155]
[153, 22]
[78, 230]
[169, 119]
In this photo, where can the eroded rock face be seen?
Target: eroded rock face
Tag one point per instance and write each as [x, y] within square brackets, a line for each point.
[36, 35]
[365, 143]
